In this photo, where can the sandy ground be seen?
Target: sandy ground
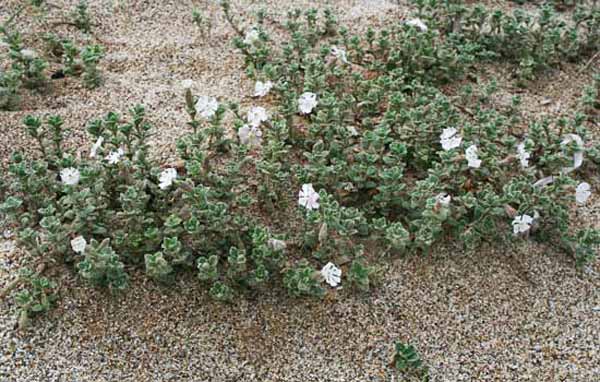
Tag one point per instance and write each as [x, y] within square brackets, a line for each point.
[519, 314]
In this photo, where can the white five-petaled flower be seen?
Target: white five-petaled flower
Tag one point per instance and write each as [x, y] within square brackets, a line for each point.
[250, 135]
[261, 89]
[522, 223]
[167, 177]
[69, 176]
[206, 106]
[78, 244]
[96, 147]
[115, 156]
[308, 197]
[340, 54]
[257, 115]
[443, 199]
[523, 155]
[307, 102]
[331, 274]
[583, 192]
[450, 139]
[472, 157]
[578, 155]
[28, 54]
[418, 23]
[187, 84]
[251, 36]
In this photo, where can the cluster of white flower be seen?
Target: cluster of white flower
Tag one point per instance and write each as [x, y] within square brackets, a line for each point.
[443, 199]
[206, 106]
[78, 244]
[340, 54]
[307, 102]
[250, 135]
[308, 197]
[522, 223]
[450, 139]
[331, 274]
[472, 157]
[257, 115]
[261, 89]
[69, 176]
[166, 178]
[115, 156]
[523, 155]
[583, 192]
[252, 36]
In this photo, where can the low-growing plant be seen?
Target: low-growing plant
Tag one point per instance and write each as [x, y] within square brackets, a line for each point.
[10, 82]
[28, 67]
[407, 361]
[358, 153]
[102, 266]
[91, 55]
[535, 41]
[36, 297]
[81, 17]
[202, 21]
[378, 135]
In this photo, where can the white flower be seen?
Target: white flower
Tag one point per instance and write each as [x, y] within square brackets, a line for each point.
[206, 106]
[251, 37]
[308, 197]
[331, 274]
[115, 156]
[256, 116]
[450, 139]
[277, 245]
[523, 155]
[307, 102]
[340, 54]
[583, 192]
[167, 177]
[250, 135]
[28, 54]
[96, 146]
[261, 89]
[578, 155]
[187, 84]
[472, 158]
[522, 223]
[443, 199]
[78, 244]
[418, 23]
[69, 176]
